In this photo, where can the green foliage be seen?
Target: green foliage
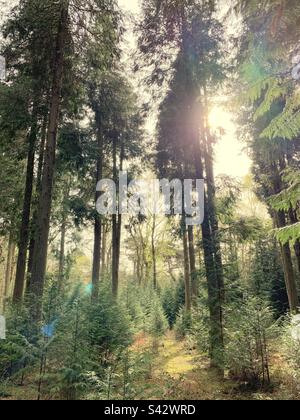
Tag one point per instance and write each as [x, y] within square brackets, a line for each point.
[266, 66]
[154, 320]
[145, 310]
[291, 348]
[109, 327]
[183, 324]
[131, 303]
[267, 277]
[250, 326]
[289, 233]
[17, 355]
[289, 197]
[199, 332]
[173, 300]
[287, 200]
[80, 337]
[157, 323]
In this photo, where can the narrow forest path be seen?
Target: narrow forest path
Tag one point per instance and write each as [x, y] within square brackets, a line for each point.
[178, 372]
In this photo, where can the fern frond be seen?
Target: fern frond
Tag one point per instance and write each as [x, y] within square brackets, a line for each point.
[255, 91]
[287, 124]
[289, 233]
[276, 90]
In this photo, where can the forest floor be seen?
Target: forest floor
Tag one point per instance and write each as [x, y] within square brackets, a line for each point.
[168, 369]
[179, 372]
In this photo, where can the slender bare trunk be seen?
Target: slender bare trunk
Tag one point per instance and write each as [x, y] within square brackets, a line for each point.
[289, 272]
[98, 222]
[153, 248]
[25, 224]
[115, 231]
[119, 238]
[61, 266]
[9, 268]
[38, 192]
[211, 199]
[297, 253]
[103, 251]
[280, 219]
[214, 300]
[187, 278]
[193, 269]
[45, 200]
[294, 219]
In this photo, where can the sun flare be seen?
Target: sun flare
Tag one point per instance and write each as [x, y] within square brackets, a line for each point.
[230, 155]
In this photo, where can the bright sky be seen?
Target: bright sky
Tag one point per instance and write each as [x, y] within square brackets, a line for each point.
[131, 5]
[230, 158]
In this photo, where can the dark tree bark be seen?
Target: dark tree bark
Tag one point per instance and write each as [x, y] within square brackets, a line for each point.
[187, 277]
[9, 268]
[211, 199]
[103, 250]
[289, 272]
[45, 200]
[120, 218]
[38, 192]
[294, 219]
[212, 256]
[153, 249]
[61, 266]
[25, 224]
[119, 238]
[214, 296]
[139, 266]
[297, 253]
[115, 230]
[117, 220]
[97, 222]
[280, 219]
[115, 273]
[193, 269]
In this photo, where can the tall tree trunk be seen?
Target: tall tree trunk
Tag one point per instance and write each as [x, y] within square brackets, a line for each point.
[25, 223]
[187, 278]
[9, 268]
[289, 273]
[96, 257]
[214, 300]
[38, 192]
[103, 251]
[115, 230]
[193, 269]
[61, 266]
[119, 237]
[211, 198]
[115, 273]
[120, 218]
[98, 222]
[281, 222]
[117, 220]
[294, 219]
[211, 256]
[139, 264]
[109, 258]
[153, 249]
[45, 200]
[297, 253]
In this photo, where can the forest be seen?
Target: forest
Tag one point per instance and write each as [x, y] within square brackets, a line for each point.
[140, 303]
